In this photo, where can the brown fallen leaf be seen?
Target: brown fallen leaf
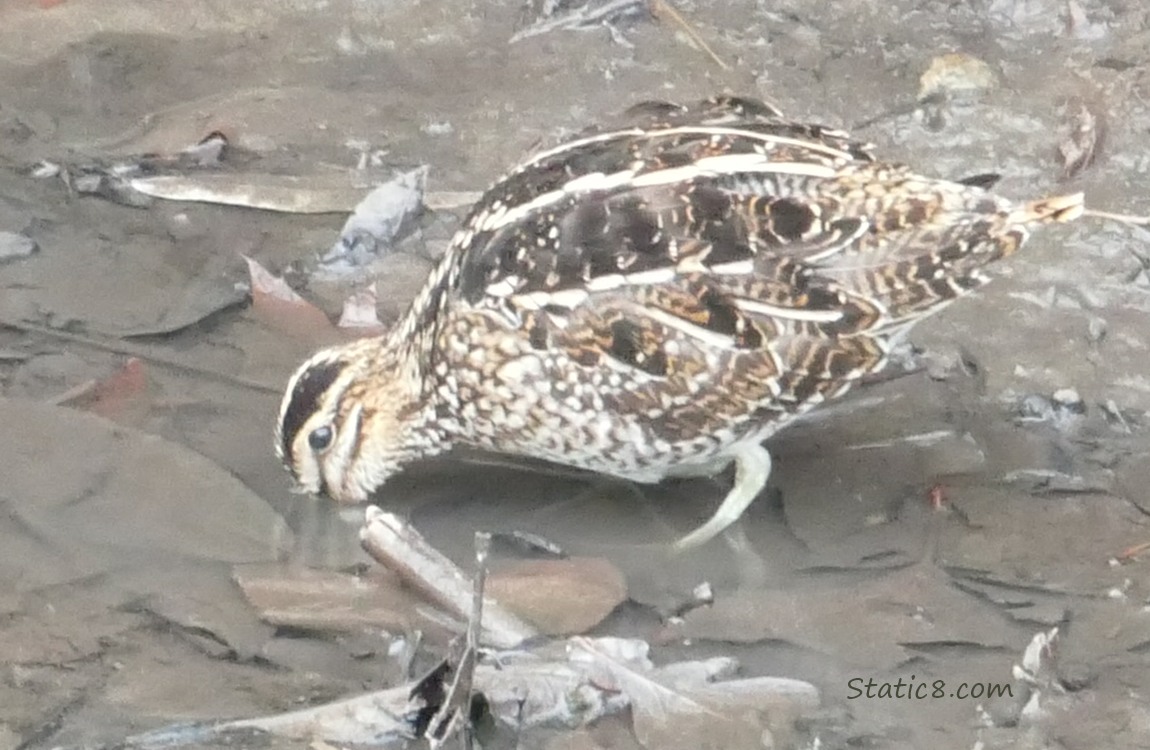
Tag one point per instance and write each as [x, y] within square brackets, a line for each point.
[278, 306]
[327, 600]
[106, 500]
[560, 597]
[123, 391]
[1080, 147]
[871, 624]
[360, 312]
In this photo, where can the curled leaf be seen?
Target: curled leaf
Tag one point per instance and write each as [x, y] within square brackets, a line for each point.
[278, 306]
[360, 312]
[1079, 148]
[955, 72]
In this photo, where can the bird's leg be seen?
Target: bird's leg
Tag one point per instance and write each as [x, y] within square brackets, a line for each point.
[752, 468]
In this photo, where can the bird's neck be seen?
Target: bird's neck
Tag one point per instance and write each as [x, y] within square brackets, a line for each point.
[406, 358]
[418, 329]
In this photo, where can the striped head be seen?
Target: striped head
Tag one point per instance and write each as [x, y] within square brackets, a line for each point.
[351, 417]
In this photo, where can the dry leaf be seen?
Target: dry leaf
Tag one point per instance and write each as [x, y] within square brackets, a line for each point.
[103, 497]
[360, 312]
[868, 626]
[956, 72]
[681, 705]
[1079, 148]
[278, 306]
[685, 715]
[327, 600]
[112, 397]
[560, 597]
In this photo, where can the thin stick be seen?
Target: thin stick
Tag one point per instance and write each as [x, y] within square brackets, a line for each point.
[660, 6]
[482, 550]
[131, 350]
[73, 393]
[399, 547]
[1137, 221]
[454, 716]
[1132, 552]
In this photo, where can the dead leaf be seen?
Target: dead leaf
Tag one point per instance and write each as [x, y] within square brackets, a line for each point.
[318, 193]
[560, 597]
[268, 192]
[868, 624]
[278, 306]
[202, 605]
[62, 626]
[684, 715]
[1079, 148]
[596, 677]
[115, 395]
[85, 497]
[360, 312]
[327, 600]
[956, 72]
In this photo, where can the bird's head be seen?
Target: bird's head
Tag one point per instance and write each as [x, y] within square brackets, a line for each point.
[351, 417]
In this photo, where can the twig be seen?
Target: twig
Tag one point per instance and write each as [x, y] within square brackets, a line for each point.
[73, 393]
[400, 548]
[1131, 553]
[131, 350]
[661, 6]
[454, 716]
[1137, 221]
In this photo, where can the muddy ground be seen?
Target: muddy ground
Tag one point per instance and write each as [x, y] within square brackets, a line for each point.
[119, 539]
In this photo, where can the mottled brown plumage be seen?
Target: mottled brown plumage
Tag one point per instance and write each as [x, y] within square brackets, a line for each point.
[653, 298]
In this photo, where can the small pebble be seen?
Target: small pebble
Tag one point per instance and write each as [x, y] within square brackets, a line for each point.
[438, 128]
[703, 593]
[1069, 399]
[14, 246]
[1096, 329]
[181, 227]
[1035, 407]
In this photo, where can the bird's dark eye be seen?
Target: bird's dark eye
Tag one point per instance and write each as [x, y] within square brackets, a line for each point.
[320, 438]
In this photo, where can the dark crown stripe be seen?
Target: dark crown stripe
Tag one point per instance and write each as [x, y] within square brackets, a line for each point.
[305, 398]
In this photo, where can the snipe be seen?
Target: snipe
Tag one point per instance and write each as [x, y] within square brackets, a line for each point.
[652, 299]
